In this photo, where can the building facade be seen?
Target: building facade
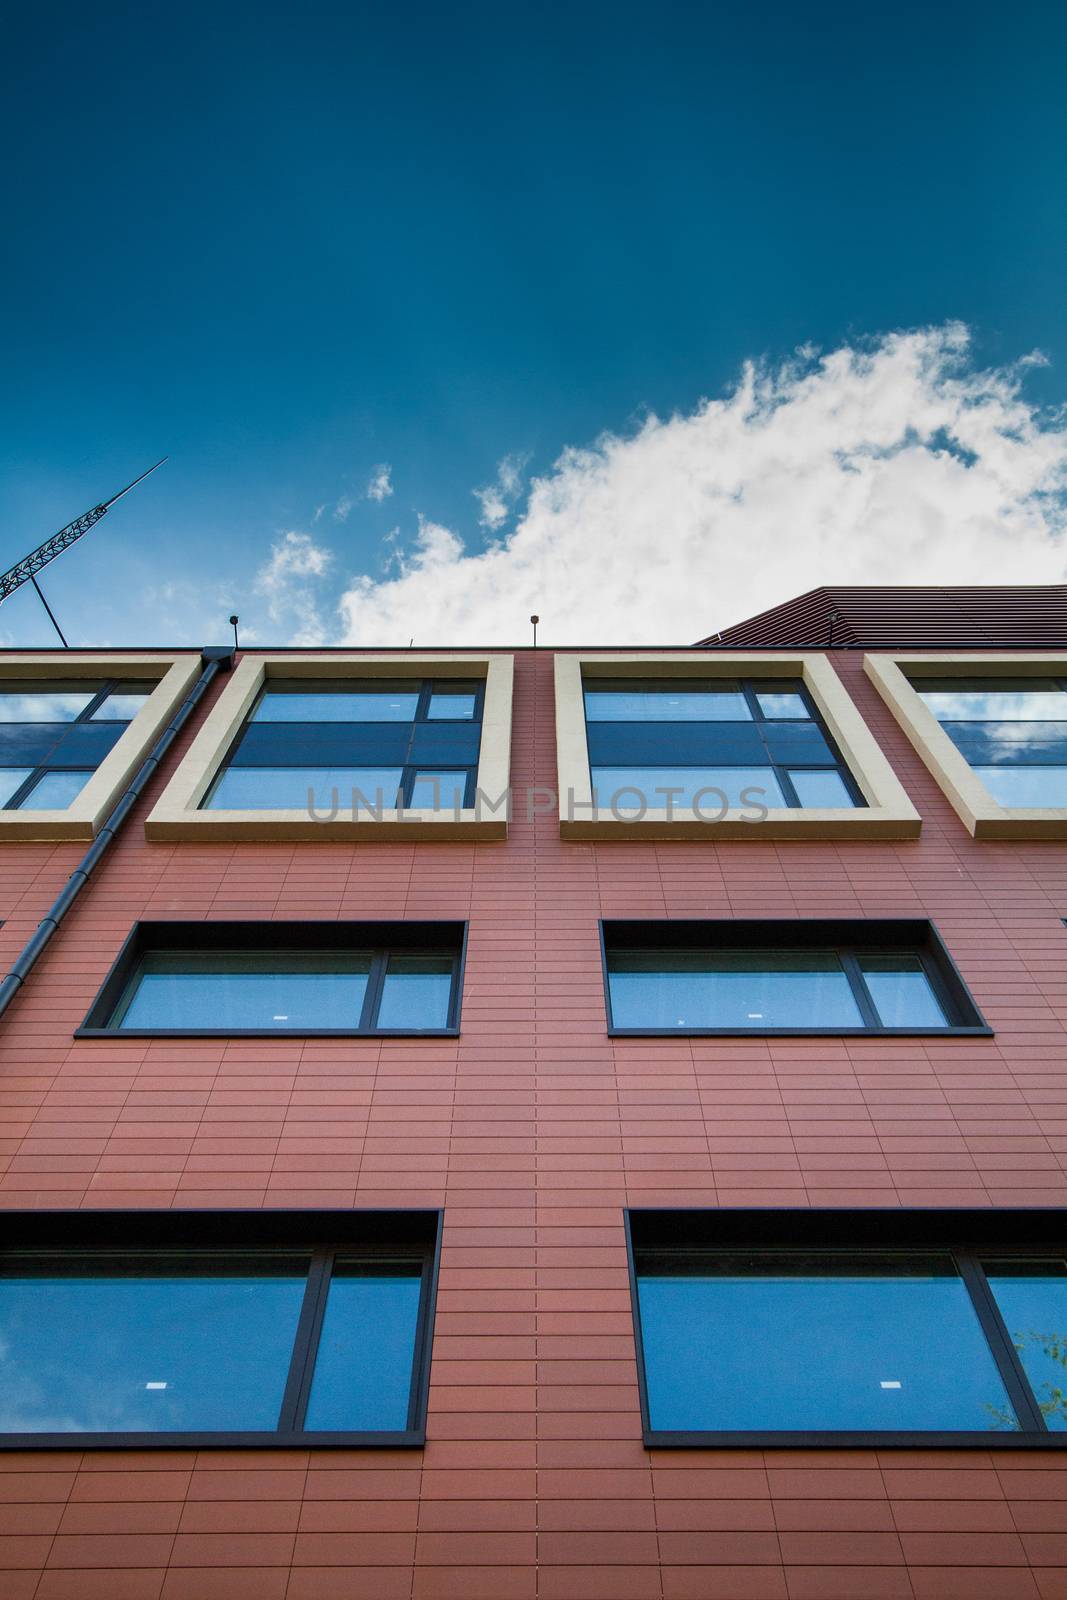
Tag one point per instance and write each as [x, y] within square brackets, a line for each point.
[619, 1155]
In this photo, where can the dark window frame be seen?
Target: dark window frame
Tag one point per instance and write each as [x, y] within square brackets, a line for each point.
[750, 688]
[379, 939]
[425, 689]
[849, 938]
[323, 1235]
[45, 686]
[964, 1235]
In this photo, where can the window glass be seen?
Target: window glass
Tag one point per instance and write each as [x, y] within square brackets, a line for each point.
[1032, 1297]
[286, 789]
[50, 736]
[416, 993]
[44, 705]
[1033, 700]
[1012, 732]
[32, 744]
[458, 702]
[797, 744]
[649, 782]
[781, 703]
[438, 791]
[689, 745]
[374, 705]
[726, 704]
[54, 791]
[386, 740]
[1026, 786]
[12, 778]
[822, 1343]
[818, 789]
[146, 1345]
[122, 706]
[755, 989]
[274, 990]
[695, 734]
[902, 993]
[1013, 744]
[363, 1370]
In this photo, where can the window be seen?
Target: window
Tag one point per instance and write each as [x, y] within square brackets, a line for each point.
[75, 726]
[246, 1328]
[703, 743]
[213, 978]
[711, 744]
[54, 735]
[850, 1327]
[388, 743]
[735, 977]
[992, 730]
[1011, 731]
[391, 747]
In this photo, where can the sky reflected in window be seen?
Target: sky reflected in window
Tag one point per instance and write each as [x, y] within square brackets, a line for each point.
[753, 990]
[146, 1353]
[833, 1347]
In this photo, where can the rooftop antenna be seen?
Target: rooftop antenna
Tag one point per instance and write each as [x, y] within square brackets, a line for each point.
[535, 621]
[25, 571]
[234, 620]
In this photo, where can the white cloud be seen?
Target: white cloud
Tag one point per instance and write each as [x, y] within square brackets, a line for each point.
[341, 509]
[380, 486]
[496, 499]
[288, 583]
[897, 462]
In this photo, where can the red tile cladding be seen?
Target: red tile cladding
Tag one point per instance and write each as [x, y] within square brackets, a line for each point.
[533, 1129]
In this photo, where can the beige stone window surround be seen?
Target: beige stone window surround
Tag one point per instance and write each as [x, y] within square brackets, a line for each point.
[888, 814]
[177, 814]
[894, 673]
[171, 674]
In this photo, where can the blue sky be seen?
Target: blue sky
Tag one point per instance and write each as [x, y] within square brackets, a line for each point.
[288, 245]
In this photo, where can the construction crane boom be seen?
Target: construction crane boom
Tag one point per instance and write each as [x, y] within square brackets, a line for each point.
[25, 571]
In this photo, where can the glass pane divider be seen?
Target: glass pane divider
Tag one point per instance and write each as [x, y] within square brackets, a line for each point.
[423, 1339]
[1001, 1347]
[422, 709]
[788, 788]
[97, 701]
[25, 789]
[410, 773]
[755, 710]
[302, 1365]
[860, 991]
[372, 995]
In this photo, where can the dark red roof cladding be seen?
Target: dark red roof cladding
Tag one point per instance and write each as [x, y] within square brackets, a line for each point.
[891, 617]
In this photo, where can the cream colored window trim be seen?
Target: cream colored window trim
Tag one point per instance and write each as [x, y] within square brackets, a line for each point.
[173, 676]
[967, 794]
[177, 814]
[889, 814]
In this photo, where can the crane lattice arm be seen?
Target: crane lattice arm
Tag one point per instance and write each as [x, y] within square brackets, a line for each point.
[25, 570]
